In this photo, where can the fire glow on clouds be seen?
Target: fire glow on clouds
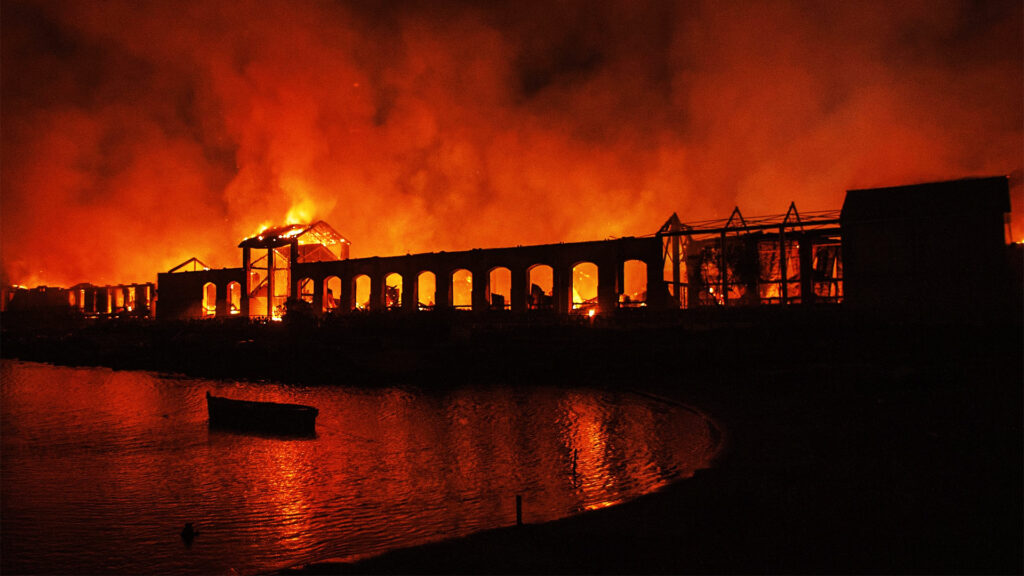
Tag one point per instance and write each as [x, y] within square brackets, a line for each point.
[138, 134]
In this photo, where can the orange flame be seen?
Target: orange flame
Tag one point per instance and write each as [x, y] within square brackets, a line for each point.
[197, 122]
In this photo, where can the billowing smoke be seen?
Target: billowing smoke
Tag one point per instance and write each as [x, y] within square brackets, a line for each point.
[138, 134]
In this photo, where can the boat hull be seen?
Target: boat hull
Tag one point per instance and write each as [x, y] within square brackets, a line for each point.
[265, 417]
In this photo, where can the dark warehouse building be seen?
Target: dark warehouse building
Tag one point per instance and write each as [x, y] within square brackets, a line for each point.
[930, 249]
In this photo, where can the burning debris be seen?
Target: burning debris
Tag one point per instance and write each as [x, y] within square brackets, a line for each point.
[269, 276]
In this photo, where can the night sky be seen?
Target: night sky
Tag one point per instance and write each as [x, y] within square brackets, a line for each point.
[139, 134]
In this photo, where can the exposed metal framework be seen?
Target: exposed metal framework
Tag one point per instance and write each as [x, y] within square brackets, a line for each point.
[789, 220]
[782, 259]
[268, 278]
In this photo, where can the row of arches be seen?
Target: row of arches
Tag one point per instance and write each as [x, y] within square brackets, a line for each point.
[497, 290]
[420, 292]
[133, 299]
[233, 299]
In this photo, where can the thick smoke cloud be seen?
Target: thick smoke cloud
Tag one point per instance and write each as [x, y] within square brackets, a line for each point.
[138, 134]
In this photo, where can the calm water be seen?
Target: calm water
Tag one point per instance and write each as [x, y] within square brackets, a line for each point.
[101, 469]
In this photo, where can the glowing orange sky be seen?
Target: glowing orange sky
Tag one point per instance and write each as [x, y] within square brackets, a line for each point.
[139, 134]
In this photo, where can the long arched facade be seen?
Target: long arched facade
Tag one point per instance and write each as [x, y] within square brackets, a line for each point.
[476, 280]
[471, 280]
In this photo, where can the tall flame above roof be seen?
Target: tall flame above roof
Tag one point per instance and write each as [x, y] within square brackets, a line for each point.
[318, 232]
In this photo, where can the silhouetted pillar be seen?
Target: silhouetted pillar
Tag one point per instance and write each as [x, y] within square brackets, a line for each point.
[318, 295]
[520, 279]
[223, 304]
[443, 289]
[481, 280]
[657, 292]
[723, 270]
[410, 291]
[347, 298]
[376, 292]
[676, 256]
[750, 268]
[609, 273]
[806, 271]
[561, 289]
[414, 290]
[270, 283]
[246, 289]
[784, 289]
[293, 280]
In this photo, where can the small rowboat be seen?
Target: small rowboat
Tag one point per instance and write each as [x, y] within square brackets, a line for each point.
[272, 417]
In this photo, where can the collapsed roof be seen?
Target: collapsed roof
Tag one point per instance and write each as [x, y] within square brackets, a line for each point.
[316, 241]
[318, 232]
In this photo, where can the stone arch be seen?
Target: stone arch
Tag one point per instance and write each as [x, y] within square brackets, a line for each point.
[332, 293]
[633, 284]
[234, 298]
[118, 297]
[426, 290]
[129, 298]
[540, 282]
[209, 305]
[499, 288]
[394, 292]
[361, 290]
[461, 295]
[584, 287]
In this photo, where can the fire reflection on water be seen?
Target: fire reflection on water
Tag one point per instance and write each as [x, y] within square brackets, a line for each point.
[288, 496]
[128, 454]
[587, 440]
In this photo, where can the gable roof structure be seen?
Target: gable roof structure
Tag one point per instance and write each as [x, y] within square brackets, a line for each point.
[318, 232]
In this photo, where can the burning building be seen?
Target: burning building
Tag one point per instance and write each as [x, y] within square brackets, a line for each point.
[934, 250]
[784, 260]
[123, 300]
[271, 260]
[271, 278]
[310, 264]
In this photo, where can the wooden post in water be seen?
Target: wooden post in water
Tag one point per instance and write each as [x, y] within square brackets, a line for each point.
[519, 510]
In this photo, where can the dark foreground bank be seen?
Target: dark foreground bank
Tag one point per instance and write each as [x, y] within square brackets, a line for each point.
[854, 445]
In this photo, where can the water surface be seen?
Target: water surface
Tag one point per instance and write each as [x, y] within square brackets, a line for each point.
[101, 469]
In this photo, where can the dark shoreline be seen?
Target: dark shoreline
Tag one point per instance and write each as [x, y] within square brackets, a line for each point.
[856, 445]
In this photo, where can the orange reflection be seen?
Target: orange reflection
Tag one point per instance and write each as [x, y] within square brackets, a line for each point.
[285, 488]
[587, 440]
[389, 468]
